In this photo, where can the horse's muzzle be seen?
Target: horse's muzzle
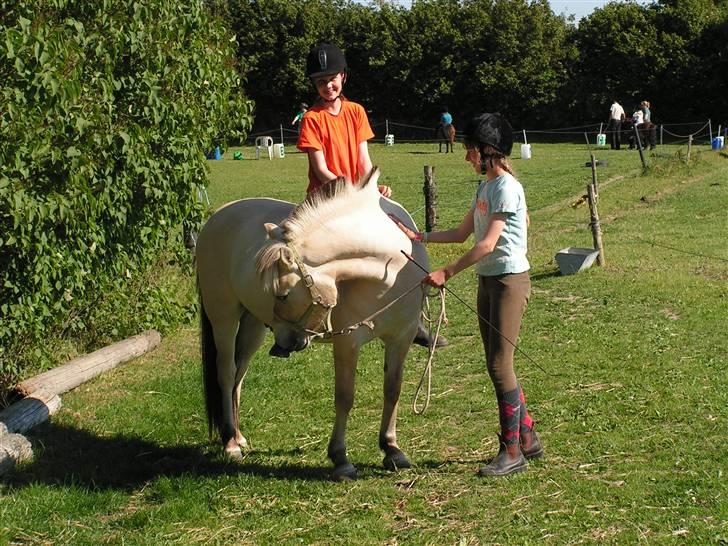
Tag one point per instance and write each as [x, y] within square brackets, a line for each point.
[285, 352]
[279, 351]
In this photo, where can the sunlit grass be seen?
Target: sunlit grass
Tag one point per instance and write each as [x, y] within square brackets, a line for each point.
[629, 389]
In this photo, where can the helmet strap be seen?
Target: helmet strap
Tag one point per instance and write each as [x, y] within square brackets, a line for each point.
[485, 158]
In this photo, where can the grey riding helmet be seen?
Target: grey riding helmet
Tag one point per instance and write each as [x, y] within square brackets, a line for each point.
[324, 60]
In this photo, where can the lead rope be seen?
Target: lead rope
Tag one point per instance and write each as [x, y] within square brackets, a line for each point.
[427, 372]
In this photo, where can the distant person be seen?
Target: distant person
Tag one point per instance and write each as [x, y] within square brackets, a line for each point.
[303, 107]
[445, 116]
[638, 117]
[614, 125]
[445, 131]
[646, 114]
[334, 134]
[650, 128]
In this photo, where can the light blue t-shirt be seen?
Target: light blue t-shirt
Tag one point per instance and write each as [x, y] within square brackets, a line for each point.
[503, 194]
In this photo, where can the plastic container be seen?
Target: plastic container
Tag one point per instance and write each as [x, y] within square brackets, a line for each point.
[525, 151]
[717, 143]
[601, 139]
[238, 155]
[279, 151]
[218, 153]
[574, 259]
[389, 140]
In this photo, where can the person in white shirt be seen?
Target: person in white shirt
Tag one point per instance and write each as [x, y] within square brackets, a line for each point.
[614, 126]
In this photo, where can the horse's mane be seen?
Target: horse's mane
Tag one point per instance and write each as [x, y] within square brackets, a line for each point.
[329, 198]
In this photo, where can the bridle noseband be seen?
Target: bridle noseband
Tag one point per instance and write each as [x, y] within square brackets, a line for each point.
[317, 300]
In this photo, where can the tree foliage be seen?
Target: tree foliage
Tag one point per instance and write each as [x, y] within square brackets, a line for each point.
[515, 56]
[107, 110]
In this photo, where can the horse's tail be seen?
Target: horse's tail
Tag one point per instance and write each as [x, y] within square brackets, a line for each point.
[213, 393]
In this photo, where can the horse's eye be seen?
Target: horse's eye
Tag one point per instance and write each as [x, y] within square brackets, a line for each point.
[282, 297]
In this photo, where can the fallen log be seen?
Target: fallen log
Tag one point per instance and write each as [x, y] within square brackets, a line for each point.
[71, 375]
[14, 449]
[29, 412]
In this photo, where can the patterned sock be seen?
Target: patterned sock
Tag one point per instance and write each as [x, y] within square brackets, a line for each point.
[526, 421]
[509, 405]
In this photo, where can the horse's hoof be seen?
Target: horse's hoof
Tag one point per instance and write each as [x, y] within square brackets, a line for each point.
[233, 454]
[396, 461]
[244, 444]
[345, 473]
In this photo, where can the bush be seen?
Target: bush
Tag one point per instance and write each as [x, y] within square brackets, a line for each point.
[107, 110]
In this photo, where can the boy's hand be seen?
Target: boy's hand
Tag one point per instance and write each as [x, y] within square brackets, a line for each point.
[386, 191]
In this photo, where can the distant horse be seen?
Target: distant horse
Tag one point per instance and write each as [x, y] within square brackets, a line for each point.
[324, 270]
[446, 135]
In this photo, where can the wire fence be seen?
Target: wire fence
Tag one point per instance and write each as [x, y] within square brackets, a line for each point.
[678, 133]
[666, 133]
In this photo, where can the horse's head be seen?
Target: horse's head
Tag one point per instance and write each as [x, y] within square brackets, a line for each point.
[302, 297]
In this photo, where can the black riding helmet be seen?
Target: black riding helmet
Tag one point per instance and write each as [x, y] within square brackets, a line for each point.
[489, 129]
[325, 59]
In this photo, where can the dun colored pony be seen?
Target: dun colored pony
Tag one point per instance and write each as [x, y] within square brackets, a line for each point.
[446, 135]
[324, 270]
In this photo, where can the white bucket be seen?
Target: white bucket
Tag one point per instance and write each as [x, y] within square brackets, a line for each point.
[389, 140]
[601, 139]
[278, 151]
[525, 151]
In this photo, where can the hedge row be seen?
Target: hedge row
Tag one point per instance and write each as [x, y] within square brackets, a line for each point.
[108, 108]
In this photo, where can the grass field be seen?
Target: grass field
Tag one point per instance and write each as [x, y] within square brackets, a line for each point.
[631, 401]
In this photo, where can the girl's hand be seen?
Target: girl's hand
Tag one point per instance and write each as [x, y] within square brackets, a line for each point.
[411, 235]
[386, 191]
[437, 278]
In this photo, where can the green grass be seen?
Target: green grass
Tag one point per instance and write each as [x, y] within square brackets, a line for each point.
[631, 406]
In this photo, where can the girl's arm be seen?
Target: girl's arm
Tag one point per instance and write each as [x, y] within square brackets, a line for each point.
[365, 166]
[317, 161]
[481, 248]
[456, 235]
[365, 162]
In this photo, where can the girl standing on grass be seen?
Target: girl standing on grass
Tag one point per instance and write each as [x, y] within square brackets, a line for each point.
[499, 219]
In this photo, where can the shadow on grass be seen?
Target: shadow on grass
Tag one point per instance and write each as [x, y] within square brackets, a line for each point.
[65, 456]
[546, 275]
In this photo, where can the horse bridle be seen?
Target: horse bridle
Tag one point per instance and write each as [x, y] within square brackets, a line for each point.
[317, 300]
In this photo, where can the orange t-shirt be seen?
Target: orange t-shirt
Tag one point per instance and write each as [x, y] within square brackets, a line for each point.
[338, 137]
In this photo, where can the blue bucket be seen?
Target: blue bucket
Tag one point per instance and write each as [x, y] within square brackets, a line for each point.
[717, 143]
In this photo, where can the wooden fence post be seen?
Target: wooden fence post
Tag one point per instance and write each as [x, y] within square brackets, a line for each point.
[639, 146]
[595, 226]
[594, 176]
[430, 190]
[690, 148]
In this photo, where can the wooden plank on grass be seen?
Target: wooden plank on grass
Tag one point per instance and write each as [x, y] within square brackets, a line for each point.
[14, 448]
[68, 376]
[29, 412]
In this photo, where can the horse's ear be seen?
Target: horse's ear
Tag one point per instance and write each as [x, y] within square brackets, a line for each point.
[370, 181]
[286, 257]
[274, 231]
